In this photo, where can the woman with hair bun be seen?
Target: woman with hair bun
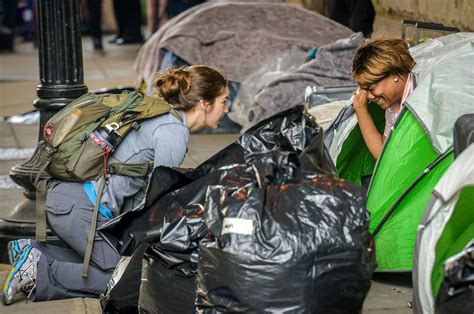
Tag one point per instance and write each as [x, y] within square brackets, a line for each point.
[199, 91]
[44, 272]
[382, 68]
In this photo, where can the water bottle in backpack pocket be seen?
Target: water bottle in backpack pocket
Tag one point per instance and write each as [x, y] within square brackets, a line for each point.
[95, 151]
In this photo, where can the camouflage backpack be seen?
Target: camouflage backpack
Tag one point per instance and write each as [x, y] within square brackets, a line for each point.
[78, 140]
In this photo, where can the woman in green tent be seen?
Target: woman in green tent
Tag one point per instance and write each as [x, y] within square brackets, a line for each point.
[382, 68]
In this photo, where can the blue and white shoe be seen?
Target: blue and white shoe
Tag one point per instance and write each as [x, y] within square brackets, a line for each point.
[15, 247]
[22, 275]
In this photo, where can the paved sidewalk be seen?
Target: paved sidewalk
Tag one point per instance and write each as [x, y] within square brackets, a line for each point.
[390, 293]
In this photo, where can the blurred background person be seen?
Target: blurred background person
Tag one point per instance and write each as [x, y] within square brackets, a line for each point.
[94, 22]
[358, 15]
[160, 11]
[129, 19]
[7, 23]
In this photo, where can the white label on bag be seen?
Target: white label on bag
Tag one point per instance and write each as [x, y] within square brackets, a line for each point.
[237, 225]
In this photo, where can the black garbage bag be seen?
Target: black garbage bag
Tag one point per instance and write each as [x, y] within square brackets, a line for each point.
[121, 295]
[287, 241]
[170, 264]
[456, 294]
[166, 289]
[292, 130]
[172, 218]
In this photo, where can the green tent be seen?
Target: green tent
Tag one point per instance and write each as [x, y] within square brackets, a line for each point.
[446, 228]
[418, 150]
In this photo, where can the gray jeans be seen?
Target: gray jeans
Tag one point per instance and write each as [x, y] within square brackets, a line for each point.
[59, 275]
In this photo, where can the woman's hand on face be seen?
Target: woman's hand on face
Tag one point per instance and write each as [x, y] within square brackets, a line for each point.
[360, 99]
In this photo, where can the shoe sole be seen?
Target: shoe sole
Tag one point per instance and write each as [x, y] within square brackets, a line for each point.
[10, 276]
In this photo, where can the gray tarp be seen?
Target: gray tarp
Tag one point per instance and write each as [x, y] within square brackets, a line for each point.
[445, 87]
[237, 37]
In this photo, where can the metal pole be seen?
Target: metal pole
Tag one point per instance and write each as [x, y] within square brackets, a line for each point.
[61, 81]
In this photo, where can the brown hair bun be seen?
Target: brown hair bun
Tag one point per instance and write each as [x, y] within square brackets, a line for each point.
[185, 86]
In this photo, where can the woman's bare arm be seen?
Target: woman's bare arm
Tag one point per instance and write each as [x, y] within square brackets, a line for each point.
[373, 139]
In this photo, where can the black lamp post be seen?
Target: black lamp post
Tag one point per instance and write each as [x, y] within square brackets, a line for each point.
[61, 81]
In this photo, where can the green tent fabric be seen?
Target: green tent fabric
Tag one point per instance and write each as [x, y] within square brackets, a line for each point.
[418, 150]
[406, 156]
[446, 228]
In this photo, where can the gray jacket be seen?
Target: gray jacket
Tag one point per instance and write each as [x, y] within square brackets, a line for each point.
[163, 140]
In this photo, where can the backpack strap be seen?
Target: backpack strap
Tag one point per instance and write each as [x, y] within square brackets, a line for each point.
[131, 170]
[41, 186]
[90, 240]
[41, 191]
[176, 114]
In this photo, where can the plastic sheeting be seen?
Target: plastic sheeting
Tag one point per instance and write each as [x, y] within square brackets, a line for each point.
[166, 289]
[283, 240]
[441, 64]
[121, 294]
[317, 241]
[463, 133]
[327, 250]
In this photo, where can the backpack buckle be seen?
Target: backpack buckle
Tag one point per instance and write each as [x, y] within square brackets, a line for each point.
[112, 127]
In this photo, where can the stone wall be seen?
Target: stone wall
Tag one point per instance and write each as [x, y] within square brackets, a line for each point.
[389, 13]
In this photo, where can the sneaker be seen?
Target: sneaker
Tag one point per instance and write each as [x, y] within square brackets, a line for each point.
[22, 275]
[15, 247]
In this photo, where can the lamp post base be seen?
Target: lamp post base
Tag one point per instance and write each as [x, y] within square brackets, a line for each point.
[19, 223]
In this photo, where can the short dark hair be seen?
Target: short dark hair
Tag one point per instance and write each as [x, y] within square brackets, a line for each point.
[380, 57]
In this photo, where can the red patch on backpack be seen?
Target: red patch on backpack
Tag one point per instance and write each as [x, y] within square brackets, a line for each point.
[48, 131]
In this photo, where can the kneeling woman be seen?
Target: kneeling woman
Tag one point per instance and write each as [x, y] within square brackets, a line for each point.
[46, 272]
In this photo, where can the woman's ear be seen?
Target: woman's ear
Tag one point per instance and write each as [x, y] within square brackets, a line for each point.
[202, 105]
